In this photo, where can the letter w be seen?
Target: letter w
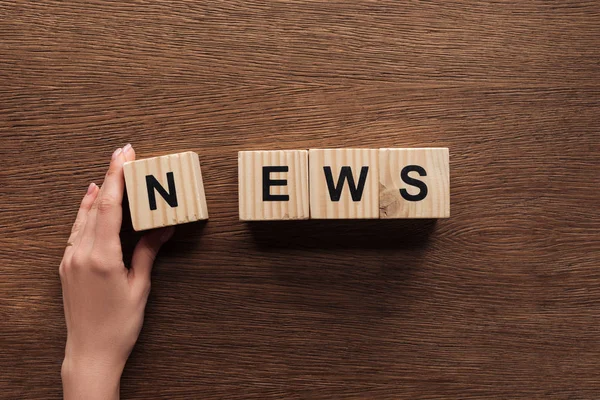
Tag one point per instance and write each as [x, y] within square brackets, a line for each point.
[335, 192]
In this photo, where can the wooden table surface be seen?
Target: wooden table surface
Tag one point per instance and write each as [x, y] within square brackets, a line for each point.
[501, 301]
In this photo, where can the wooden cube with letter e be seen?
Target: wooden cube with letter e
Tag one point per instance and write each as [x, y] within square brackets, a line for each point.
[273, 185]
[344, 183]
[414, 183]
[166, 190]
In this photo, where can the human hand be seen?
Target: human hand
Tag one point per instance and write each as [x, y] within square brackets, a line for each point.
[103, 301]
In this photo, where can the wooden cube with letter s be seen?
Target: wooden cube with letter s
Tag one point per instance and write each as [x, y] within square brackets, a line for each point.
[414, 183]
[166, 190]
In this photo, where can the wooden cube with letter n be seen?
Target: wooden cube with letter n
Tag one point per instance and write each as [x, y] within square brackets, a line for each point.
[165, 190]
[344, 183]
[414, 183]
[273, 185]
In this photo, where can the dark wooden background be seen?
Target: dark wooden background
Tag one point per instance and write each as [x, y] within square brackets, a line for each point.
[501, 301]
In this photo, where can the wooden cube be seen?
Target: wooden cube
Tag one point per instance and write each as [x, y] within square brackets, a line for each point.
[414, 183]
[165, 190]
[273, 185]
[344, 183]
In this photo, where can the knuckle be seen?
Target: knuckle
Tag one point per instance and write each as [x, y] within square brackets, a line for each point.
[103, 264]
[106, 204]
[76, 226]
[78, 260]
[100, 269]
[61, 269]
[113, 170]
[97, 263]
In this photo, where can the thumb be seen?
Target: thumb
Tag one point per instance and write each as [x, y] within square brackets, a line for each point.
[145, 253]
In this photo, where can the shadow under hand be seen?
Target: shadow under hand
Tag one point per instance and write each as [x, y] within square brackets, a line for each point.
[186, 238]
[343, 234]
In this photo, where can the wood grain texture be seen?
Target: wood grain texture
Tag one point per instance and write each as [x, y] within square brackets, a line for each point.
[500, 301]
[294, 185]
[344, 194]
[185, 188]
[434, 175]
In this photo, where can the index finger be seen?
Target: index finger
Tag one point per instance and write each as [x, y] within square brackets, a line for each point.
[109, 202]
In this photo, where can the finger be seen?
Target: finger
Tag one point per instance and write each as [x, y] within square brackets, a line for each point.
[88, 236]
[144, 255]
[109, 210]
[84, 208]
[129, 153]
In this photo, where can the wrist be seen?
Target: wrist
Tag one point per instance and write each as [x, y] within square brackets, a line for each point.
[90, 378]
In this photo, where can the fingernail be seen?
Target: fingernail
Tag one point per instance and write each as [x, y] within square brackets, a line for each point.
[91, 188]
[127, 148]
[116, 153]
[166, 235]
